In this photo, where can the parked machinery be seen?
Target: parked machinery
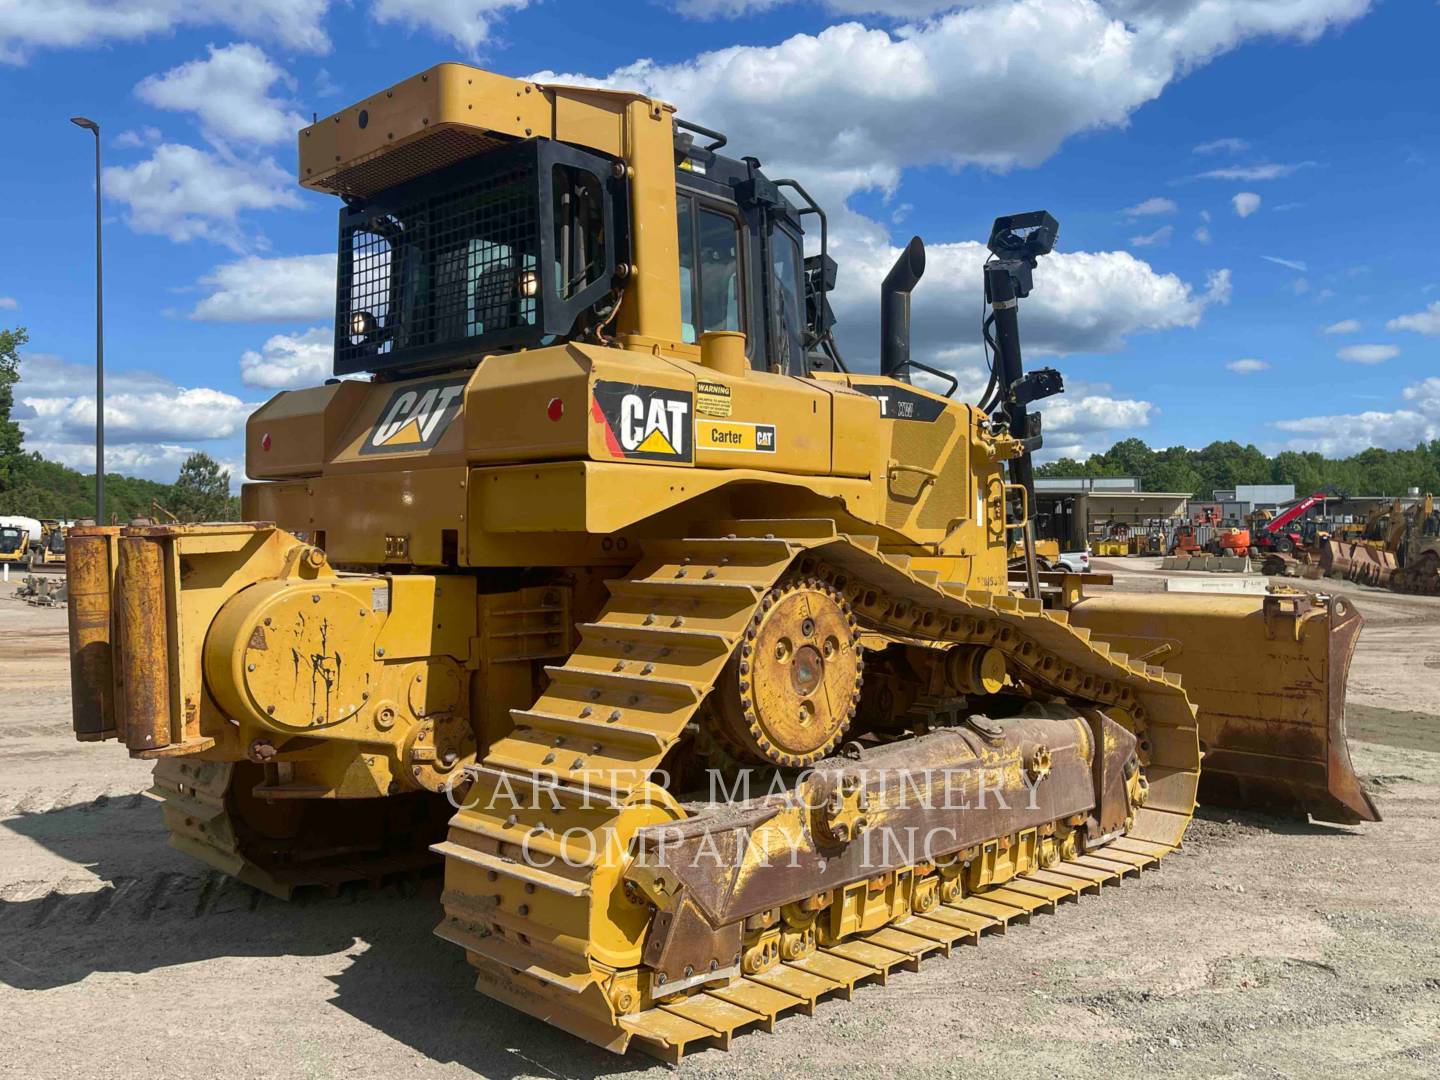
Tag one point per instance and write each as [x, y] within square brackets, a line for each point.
[19, 538]
[610, 521]
[1116, 541]
[1284, 532]
[1185, 540]
[14, 542]
[1418, 550]
[1368, 558]
[1231, 540]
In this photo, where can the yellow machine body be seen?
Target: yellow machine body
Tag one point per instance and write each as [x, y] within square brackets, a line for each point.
[538, 592]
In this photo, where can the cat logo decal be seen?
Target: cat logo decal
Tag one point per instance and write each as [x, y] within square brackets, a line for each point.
[415, 417]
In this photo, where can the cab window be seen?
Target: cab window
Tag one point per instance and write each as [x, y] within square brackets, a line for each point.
[787, 299]
[709, 270]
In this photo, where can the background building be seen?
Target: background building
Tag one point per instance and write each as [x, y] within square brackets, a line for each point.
[1076, 511]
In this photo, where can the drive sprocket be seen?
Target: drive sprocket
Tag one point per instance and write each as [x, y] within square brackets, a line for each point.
[792, 686]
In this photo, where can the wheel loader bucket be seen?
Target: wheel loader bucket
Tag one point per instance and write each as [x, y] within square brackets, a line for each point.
[1267, 674]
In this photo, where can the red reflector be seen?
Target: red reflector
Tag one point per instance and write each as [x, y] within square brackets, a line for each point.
[556, 409]
[265, 441]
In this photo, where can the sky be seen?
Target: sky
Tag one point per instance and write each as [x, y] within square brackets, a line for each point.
[1249, 244]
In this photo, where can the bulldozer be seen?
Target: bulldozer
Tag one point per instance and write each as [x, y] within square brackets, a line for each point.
[1398, 548]
[1418, 553]
[692, 653]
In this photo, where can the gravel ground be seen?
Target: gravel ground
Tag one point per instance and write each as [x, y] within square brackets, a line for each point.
[1264, 949]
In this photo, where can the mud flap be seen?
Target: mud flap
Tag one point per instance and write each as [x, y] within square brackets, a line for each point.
[1268, 675]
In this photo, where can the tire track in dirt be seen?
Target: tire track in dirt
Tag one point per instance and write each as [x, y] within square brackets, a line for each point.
[164, 897]
[38, 801]
[31, 731]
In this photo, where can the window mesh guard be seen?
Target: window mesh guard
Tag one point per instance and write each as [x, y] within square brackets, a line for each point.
[423, 272]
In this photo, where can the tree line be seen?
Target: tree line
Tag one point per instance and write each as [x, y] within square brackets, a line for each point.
[1224, 465]
[30, 486]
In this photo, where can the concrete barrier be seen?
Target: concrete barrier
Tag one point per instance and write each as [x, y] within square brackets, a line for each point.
[1215, 564]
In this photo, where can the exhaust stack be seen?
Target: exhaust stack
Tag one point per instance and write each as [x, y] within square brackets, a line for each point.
[895, 310]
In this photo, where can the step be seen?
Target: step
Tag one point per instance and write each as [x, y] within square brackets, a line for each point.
[516, 871]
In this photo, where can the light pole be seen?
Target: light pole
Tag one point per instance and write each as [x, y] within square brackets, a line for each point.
[94, 128]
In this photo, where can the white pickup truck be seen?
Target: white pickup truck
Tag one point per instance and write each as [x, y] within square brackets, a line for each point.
[1073, 562]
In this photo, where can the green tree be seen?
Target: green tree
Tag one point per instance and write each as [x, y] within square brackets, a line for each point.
[202, 491]
[1228, 464]
[10, 435]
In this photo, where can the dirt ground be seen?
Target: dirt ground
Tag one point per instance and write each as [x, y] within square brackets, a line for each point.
[1264, 949]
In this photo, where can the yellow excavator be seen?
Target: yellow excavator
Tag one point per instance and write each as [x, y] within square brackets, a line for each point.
[690, 651]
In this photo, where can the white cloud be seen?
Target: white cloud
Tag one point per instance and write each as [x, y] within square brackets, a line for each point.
[1344, 326]
[198, 413]
[150, 422]
[1349, 433]
[1339, 436]
[288, 360]
[1202, 234]
[1267, 171]
[1426, 396]
[1247, 367]
[1151, 207]
[1083, 302]
[9, 303]
[325, 84]
[185, 193]
[1300, 286]
[1422, 322]
[1293, 264]
[1159, 238]
[1246, 203]
[465, 22]
[150, 460]
[1223, 146]
[255, 289]
[231, 92]
[730, 9]
[862, 104]
[28, 25]
[131, 139]
[1368, 354]
[1087, 419]
[1087, 414]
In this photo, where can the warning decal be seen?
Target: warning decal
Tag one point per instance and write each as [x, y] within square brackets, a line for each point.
[712, 399]
[646, 423]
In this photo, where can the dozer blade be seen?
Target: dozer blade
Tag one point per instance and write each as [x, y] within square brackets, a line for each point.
[1362, 563]
[1268, 675]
